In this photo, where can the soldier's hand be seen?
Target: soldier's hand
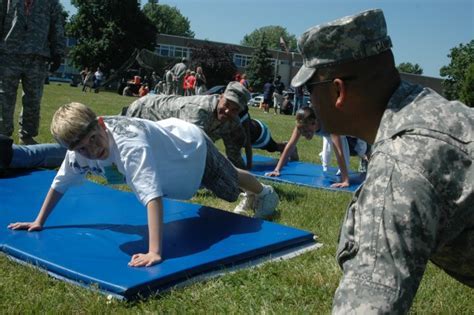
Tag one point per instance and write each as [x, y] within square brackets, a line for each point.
[55, 63]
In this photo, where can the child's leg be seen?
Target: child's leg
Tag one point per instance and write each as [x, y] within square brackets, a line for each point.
[248, 182]
[223, 179]
[346, 151]
[326, 153]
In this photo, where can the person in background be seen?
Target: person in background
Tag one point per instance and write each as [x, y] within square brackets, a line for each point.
[169, 83]
[244, 81]
[268, 89]
[298, 99]
[307, 125]
[278, 94]
[31, 37]
[98, 78]
[416, 203]
[201, 81]
[144, 90]
[190, 84]
[178, 71]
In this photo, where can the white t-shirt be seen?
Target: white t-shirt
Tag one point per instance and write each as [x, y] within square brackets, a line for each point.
[165, 158]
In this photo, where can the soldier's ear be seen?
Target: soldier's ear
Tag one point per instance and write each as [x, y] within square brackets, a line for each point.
[341, 92]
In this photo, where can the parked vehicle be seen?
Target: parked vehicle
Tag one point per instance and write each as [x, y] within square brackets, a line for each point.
[255, 101]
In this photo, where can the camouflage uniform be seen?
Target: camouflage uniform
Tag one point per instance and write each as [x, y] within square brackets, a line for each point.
[179, 70]
[417, 204]
[199, 110]
[29, 37]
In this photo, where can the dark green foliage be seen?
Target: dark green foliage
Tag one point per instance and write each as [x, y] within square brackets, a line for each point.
[167, 19]
[408, 67]
[260, 69]
[271, 35]
[107, 32]
[462, 57]
[216, 62]
[467, 88]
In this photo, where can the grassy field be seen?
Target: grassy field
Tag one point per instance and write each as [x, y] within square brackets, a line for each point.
[302, 285]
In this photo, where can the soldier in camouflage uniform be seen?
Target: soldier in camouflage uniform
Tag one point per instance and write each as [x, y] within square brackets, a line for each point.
[31, 35]
[209, 112]
[417, 203]
[178, 71]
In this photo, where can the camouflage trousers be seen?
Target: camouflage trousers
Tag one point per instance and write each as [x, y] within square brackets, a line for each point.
[32, 71]
[383, 251]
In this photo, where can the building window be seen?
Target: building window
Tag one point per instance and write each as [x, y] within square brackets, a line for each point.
[242, 61]
[173, 51]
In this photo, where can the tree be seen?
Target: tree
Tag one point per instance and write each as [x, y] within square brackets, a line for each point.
[271, 35]
[167, 19]
[408, 67]
[216, 62]
[462, 57]
[467, 89]
[260, 69]
[107, 32]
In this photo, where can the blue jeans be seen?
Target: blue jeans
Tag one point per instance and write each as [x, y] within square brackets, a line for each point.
[298, 101]
[47, 155]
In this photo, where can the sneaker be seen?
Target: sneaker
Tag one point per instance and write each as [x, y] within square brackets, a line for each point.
[27, 140]
[245, 204]
[266, 202]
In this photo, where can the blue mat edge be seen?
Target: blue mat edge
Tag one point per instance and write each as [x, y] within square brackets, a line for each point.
[159, 285]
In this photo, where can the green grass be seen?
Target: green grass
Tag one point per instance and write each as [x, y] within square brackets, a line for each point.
[302, 285]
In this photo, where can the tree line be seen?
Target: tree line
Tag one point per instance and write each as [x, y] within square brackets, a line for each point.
[109, 31]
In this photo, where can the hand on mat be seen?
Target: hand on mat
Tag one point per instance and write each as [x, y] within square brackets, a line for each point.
[340, 185]
[30, 226]
[147, 260]
[274, 173]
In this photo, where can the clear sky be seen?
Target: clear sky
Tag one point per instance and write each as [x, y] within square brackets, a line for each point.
[422, 31]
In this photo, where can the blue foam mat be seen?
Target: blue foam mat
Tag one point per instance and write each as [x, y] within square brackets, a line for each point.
[94, 230]
[304, 174]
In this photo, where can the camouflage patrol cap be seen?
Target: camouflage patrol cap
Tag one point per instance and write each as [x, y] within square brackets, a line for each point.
[237, 93]
[349, 38]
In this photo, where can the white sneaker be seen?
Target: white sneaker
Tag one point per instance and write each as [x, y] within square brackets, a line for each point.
[245, 204]
[266, 202]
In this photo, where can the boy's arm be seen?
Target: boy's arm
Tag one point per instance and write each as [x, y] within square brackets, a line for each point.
[49, 203]
[155, 236]
[289, 148]
[341, 162]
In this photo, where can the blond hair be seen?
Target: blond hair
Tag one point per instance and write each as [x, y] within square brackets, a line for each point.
[71, 123]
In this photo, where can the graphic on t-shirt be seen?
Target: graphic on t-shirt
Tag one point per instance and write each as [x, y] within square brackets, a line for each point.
[121, 126]
[113, 175]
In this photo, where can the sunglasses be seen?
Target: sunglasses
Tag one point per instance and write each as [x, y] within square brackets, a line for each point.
[309, 85]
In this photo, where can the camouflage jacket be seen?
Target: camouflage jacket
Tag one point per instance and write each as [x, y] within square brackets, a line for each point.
[199, 110]
[39, 32]
[421, 168]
